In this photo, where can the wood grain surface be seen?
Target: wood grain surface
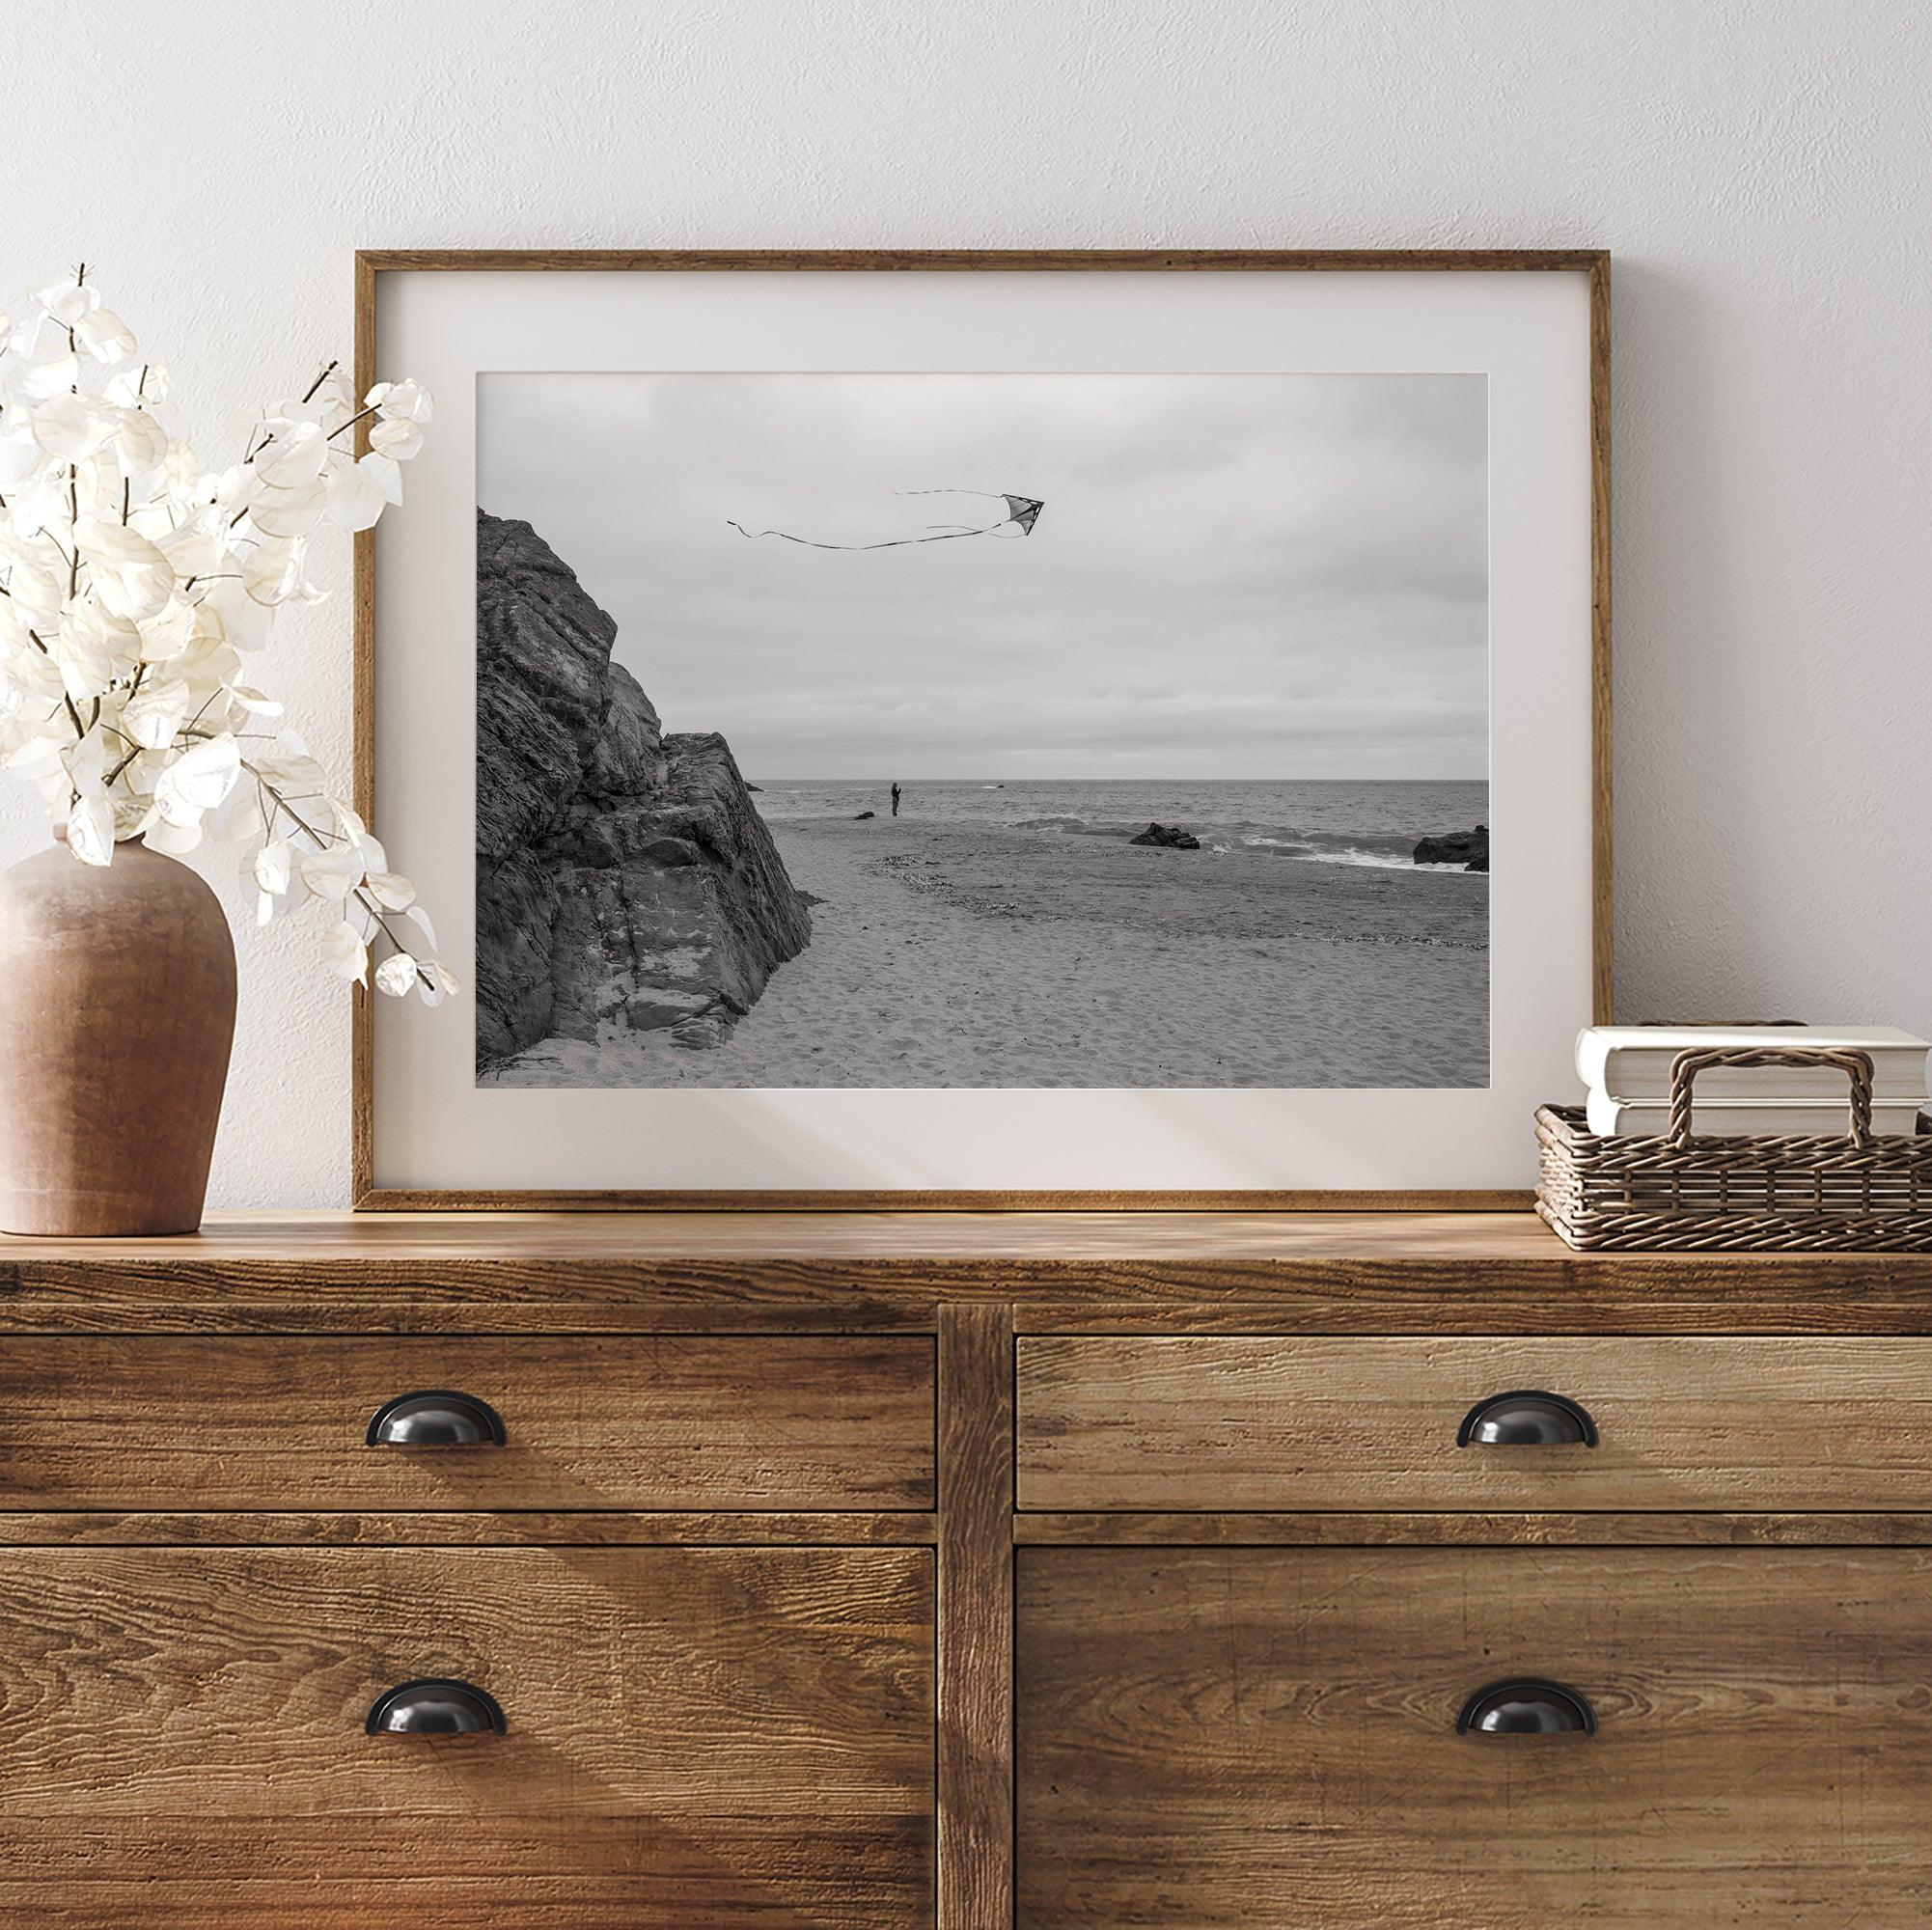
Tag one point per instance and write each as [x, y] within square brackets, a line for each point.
[1330, 1273]
[975, 1618]
[651, 1422]
[545, 1527]
[417, 1237]
[696, 1739]
[1160, 1424]
[1213, 1738]
[1603, 897]
[1588, 1527]
[750, 1602]
[945, 261]
[477, 1528]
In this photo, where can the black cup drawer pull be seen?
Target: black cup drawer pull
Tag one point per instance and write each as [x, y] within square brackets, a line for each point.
[1526, 1418]
[1526, 1705]
[435, 1418]
[433, 1705]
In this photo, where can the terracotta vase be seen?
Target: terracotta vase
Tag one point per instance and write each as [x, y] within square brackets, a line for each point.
[117, 1011]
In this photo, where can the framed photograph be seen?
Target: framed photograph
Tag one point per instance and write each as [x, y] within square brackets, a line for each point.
[989, 730]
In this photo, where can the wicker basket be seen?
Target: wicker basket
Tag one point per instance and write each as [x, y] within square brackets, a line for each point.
[1843, 1194]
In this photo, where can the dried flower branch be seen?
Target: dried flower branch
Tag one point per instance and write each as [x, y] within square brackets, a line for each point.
[132, 583]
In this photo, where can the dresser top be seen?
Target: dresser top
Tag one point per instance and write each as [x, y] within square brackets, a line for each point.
[1015, 1243]
[1470, 1272]
[402, 1237]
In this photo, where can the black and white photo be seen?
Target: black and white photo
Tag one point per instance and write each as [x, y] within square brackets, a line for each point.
[983, 731]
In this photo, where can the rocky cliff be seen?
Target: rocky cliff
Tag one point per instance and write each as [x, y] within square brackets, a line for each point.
[621, 875]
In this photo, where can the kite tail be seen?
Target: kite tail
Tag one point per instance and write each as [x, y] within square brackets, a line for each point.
[896, 542]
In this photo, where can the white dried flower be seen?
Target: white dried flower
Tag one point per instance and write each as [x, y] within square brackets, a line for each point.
[134, 577]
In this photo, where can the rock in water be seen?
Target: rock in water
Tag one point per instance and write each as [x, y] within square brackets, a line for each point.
[620, 874]
[1467, 848]
[1170, 836]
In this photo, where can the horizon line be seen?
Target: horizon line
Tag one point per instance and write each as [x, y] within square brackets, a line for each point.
[1151, 777]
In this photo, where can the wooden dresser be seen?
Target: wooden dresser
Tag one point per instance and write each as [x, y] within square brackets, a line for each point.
[845, 1572]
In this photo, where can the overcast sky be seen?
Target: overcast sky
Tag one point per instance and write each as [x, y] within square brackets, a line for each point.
[1234, 576]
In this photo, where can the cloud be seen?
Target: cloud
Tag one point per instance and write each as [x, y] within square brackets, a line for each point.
[1251, 576]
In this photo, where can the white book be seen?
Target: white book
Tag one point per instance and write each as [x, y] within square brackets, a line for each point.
[1634, 1062]
[1645, 1119]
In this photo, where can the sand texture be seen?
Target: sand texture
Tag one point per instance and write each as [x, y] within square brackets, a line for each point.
[961, 954]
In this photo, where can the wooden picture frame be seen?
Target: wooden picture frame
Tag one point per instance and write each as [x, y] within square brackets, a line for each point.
[371, 267]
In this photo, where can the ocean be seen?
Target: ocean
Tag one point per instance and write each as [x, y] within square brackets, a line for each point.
[1339, 820]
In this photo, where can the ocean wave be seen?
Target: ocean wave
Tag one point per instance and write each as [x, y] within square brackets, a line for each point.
[1101, 827]
[1381, 851]
[1360, 846]
[1375, 858]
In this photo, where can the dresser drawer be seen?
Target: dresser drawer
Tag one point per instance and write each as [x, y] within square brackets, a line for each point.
[693, 1737]
[631, 1422]
[1347, 1423]
[1254, 1737]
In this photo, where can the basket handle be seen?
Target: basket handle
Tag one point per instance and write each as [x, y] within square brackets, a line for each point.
[1855, 1065]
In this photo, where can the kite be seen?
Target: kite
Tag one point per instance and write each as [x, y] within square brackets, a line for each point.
[1022, 514]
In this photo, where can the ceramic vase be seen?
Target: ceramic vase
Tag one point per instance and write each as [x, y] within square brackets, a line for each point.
[117, 1011]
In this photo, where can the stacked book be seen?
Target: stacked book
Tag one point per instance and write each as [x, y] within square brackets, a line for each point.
[1627, 1069]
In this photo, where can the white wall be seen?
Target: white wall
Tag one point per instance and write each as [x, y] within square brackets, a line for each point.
[1759, 168]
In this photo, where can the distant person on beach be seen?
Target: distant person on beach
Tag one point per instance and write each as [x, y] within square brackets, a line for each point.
[895, 799]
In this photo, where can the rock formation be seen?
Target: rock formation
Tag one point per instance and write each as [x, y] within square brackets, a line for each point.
[620, 874]
[1467, 848]
[1170, 836]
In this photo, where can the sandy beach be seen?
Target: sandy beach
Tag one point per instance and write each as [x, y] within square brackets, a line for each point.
[956, 954]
